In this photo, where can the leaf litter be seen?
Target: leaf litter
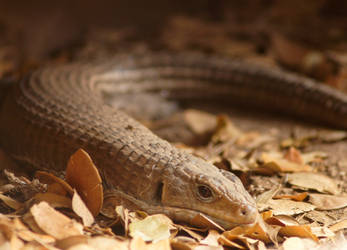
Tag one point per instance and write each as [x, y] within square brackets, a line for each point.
[76, 213]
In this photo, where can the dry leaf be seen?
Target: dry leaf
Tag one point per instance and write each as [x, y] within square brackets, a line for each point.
[200, 122]
[183, 243]
[10, 202]
[81, 210]
[278, 164]
[82, 174]
[54, 200]
[55, 184]
[328, 202]
[211, 239]
[288, 207]
[152, 228]
[314, 181]
[202, 221]
[108, 243]
[295, 243]
[293, 155]
[54, 223]
[294, 197]
[139, 244]
[338, 226]
[302, 231]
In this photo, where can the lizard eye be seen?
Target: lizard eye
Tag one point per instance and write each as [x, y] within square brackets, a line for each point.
[205, 193]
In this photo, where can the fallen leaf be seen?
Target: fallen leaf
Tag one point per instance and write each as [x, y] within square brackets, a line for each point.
[54, 200]
[211, 239]
[288, 207]
[328, 202]
[139, 244]
[53, 222]
[293, 155]
[200, 122]
[313, 181]
[10, 202]
[108, 243]
[152, 228]
[81, 210]
[295, 243]
[294, 197]
[339, 226]
[302, 231]
[82, 174]
[202, 221]
[55, 184]
[279, 164]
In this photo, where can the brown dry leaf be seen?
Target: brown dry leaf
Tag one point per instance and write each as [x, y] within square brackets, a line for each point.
[302, 231]
[277, 163]
[211, 241]
[263, 199]
[190, 232]
[200, 122]
[82, 174]
[153, 228]
[293, 155]
[68, 242]
[321, 232]
[202, 221]
[54, 200]
[10, 202]
[314, 181]
[315, 156]
[294, 197]
[25, 234]
[108, 243]
[289, 207]
[258, 231]
[139, 244]
[339, 226]
[281, 220]
[81, 210]
[183, 243]
[55, 184]
[225, 130]
[53, 222]
[295, 243]
[328, 202]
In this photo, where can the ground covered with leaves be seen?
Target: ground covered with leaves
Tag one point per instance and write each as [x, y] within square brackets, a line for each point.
[295, 170]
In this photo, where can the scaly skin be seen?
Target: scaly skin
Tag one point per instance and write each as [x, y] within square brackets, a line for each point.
[57, 110]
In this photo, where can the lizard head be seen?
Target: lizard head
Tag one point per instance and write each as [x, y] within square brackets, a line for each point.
[201, 188]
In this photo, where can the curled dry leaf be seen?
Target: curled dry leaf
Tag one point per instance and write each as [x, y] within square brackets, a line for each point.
[81, 210]
[202, 221]
[314, 181]
[294, 197]
[55, 184]
[339, 226]
[328, 202]
[53, 222]
[302, 231]
[278, 164]
[82, 174]
[200, 122]
[295, 243]
[10, 202]
[152, 228]
[288, 207]
[139, 244]
[54, 200]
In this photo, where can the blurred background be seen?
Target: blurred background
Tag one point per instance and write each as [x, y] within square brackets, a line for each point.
[305, 36]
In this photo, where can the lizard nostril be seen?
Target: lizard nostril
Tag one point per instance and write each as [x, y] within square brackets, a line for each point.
[244, 211]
